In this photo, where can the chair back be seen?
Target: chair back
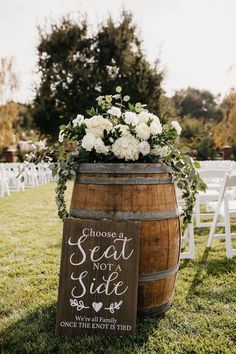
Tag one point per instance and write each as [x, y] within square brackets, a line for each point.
[211, 173]
[226, 165]
[231, 181]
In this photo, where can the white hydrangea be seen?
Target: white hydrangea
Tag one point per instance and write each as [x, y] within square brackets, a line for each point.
[154, 118]
[100, 147]
[155, 128]
[127, 148]
[115, 111]
[177, 127]
[96, 125]
[131, 118]
[124, 129]
[144, 148]
[142, 131]
[61, 137]
[78, 120]
[143, 117]
[88, 141]
[161, 151]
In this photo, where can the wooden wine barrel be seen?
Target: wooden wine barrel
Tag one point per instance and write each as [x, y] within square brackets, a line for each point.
[143, 192]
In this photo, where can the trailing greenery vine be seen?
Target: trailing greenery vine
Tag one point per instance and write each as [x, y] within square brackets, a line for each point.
[117, 132]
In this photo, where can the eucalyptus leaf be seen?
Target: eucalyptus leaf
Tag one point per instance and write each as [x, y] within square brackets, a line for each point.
[126, 98]
[118, 89]
[62, 127]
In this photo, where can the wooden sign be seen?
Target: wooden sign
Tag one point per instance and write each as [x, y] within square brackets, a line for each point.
[98, 277]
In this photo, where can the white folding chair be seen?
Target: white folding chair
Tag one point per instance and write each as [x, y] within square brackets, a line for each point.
[41, 173]
[12, 171]
[30, 175]
[213, 179]
[4, 187]
[187, 243]
[217, 164]
[225, 208]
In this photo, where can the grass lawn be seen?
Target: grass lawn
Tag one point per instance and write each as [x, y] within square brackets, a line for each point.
[201, 320]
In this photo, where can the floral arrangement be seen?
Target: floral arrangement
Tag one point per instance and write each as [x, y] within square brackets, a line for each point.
[118, 131]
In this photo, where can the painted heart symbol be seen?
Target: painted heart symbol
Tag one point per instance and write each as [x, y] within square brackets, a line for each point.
[97, 306]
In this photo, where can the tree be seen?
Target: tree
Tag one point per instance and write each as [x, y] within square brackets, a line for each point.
[8, 116]
[205, 149]
[24, 122]
[8, 108]
[225, 131]
[199, 104]
[77, 67]
[192, 130]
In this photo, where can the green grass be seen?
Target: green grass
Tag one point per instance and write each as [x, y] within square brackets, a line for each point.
[202, 318]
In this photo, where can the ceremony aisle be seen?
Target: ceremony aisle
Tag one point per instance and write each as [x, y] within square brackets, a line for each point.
[201, 319]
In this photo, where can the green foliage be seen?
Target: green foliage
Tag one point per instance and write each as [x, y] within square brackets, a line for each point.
[161, 148]
[192, 128]
[205, 149]
[76, 67]
[201, 319]
[168, 109]
[25, 119]
[225, 131]
[234, 150]
[64, 62]
[198, 104]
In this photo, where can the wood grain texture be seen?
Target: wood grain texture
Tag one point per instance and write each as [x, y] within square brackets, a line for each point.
[159, 239]
[117, 261]
[123, 197]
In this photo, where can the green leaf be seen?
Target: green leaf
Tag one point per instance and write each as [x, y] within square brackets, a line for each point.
[118, 89]
[131, 107]
[116, 97]
[108, 98]
[62, 127]
[197, 164]
[126, 98]
[185, 149]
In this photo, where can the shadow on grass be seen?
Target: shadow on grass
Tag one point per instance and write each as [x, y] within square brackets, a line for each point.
[210, 267]
[34, 333]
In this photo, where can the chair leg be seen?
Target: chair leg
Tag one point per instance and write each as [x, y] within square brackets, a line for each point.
[213, 226]
[197, 210]
[191, 241]
[188, 239]
[227, 231]
[212, 230]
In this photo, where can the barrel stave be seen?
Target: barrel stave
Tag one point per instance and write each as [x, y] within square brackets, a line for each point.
[143, 192]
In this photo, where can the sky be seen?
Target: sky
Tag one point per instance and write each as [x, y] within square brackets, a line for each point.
[194, 39]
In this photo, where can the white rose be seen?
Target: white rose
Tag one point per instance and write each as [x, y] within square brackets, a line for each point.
[177, 127]
[88, 141]
[123, 129]
[100, 147]
[96, 125]
[143, 117]
[161, 151]
[131, 118]
[142, 131]
[155, 127]
[126, 148]
[61, 137]
[144, 148]
[115, 111]
[78, 120]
